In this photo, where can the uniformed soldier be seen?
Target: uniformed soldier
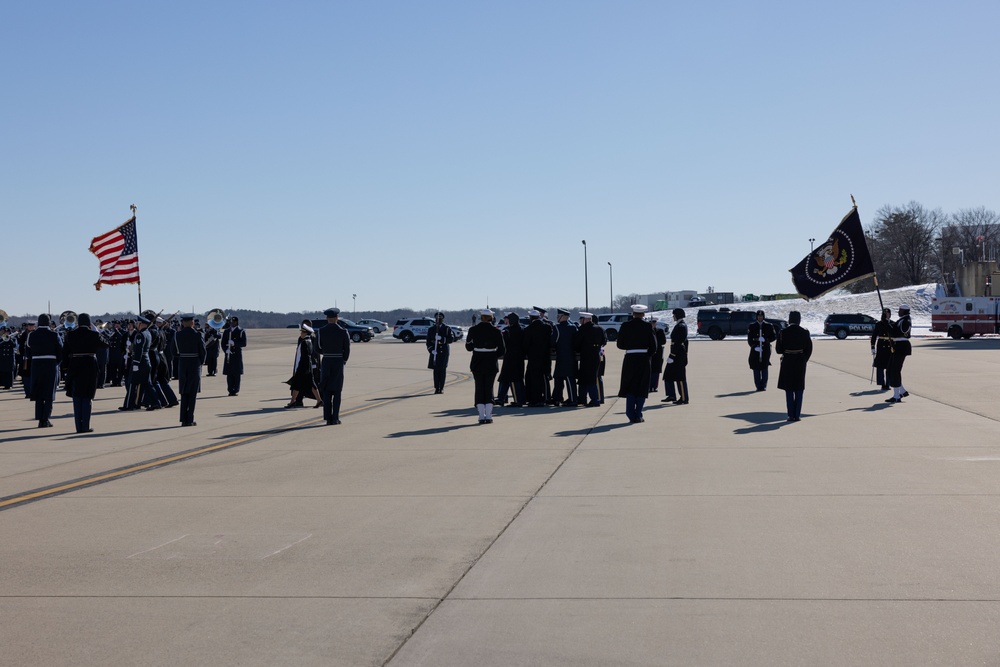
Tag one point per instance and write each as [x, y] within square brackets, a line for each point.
[103, 355]
[44, 351]
[564, 342]
[234, 339]
[656, 361]
[512, 371]
[637, 339]
[760, 335]
[189, 350]
[675, 382]
[116, 354]
[901, 349]
[590, 340]
[80, 357]
[795, 347]
[334, 345]
[140, 388]
[538, 351]
[211, 336]
[439, 339]
[8, 360]
[882, 347]
[486, 344]
[25, 366]
[158, 363]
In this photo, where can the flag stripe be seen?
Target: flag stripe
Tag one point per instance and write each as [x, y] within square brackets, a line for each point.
[118, 253]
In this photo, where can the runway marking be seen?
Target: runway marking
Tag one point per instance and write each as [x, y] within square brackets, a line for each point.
[25, 497]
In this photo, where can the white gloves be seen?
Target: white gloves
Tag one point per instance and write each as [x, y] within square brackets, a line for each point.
[873, 351]
[670, 360]
[757, 349]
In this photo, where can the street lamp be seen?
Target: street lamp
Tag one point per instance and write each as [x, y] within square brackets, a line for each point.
[355, 297]
[811, 241]
[586, 287]
[611, 281]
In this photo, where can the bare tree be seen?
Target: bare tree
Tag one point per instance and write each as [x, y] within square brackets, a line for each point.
[974, 233]
[904, 244]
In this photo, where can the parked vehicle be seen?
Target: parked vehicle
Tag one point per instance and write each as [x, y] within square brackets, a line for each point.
[358, 333]
[611, 322]
[378, 326]
[964, 317]
[843, 325]
[717, 324]
[412, 328]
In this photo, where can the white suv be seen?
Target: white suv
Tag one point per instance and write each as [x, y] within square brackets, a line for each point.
[611, 322]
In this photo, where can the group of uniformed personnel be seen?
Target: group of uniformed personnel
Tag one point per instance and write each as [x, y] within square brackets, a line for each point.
[890, 343]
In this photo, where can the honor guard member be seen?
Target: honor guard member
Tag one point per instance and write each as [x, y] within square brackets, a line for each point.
[25, 365]
[234, 339]
[303, 382]
[116, 354]
[656, 361]
[637, 339]
[439, 339]
[8, 362]
[158, 362]
[212, 348]
[590, 341]
[486, 344]
[564, 342]
[44, 351]
[882, 348]
[675, 383]
[167, 333]
[102, 354]
[795, 346]
[901, 349]
[140, 389]
[512, 371]
[760, 335]
[80, 352]
[538, 351]
[335, 345]
[189, 350]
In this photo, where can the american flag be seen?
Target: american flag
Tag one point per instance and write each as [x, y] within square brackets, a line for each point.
[118, 252]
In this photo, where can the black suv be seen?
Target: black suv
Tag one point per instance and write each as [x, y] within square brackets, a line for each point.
[843, 325]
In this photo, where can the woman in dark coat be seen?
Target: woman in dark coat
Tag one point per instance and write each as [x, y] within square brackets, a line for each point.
[303, 381]
[80, 359]
[795, 347]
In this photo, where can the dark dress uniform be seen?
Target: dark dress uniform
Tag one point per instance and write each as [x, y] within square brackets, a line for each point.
[234, 339]
[116, 356]
[675, 383]
[901, 349]
[44, 351]
[589, 341]
[189, 350]
[24, 367]
[564, 342]
[486, 344]
[795, 347]
[512, 371]
[8, 364]
[760, 335]
[882, 346]
[656, 361]
[637, 339]
[538, 351]
[80, 358]
[334, 345]
[212, 349]
[439, 340]
[161, 368]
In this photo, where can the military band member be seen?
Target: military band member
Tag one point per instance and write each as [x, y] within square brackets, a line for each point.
[189, 350]
[439, 339]
[212, 348]
[590, 340]
[25, 366]
[538, 351]
[303, 382]
[486, 344]
[512, 371]
[882, 346]
[117, 340]
[760, 335]
[795, 347]
[675, 382]
[335, 345]
[44, 351]
[637, 339]
[8, 357]
[564, 342]
[901, 349]
[234, 339]
[80, 352]
[103, 354]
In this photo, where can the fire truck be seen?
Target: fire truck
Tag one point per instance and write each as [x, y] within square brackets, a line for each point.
[965, 316]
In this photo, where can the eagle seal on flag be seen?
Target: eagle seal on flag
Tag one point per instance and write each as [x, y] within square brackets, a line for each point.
[841, 259]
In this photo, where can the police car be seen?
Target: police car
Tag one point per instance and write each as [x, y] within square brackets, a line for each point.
[843, 325]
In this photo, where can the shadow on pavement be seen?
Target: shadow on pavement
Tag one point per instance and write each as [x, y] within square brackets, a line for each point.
[736, 393]
[432, 431]
[600, 428]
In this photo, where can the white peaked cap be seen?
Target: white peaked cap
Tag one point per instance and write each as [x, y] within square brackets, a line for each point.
[639, 308]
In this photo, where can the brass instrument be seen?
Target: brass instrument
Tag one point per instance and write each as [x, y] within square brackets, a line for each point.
[4, 318]
[67, 320]
[216, 318]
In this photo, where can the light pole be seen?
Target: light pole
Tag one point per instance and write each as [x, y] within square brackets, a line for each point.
[611, 281]
[355, 314]
[811, 241]
[586, 287]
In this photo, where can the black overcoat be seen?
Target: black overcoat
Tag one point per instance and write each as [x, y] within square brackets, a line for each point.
[795, 347]
[80, 359]
[189, 347]
[760, 360]
[637, 339]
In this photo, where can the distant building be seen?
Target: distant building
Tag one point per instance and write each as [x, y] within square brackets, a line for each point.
[685, 299]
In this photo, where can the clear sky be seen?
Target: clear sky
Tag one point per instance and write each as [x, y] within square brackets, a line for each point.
[426, 154]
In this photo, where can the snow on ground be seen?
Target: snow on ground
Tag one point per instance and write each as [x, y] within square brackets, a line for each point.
[917, 297]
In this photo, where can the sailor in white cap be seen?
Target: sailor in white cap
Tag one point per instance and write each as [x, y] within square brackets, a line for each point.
[538, 351]
[636, 337]
[486, 344]
[901, 349]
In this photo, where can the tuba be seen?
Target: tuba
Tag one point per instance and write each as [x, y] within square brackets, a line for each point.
[5, 333]
[4, 319]
[215, 318]
[68, 320]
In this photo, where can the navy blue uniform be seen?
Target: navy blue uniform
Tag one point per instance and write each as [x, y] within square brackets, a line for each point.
[44, 350]
[80, 358]
[795, 346]
[234, 340]
[564, 342]
[637, 339]
[334, 344]
[760, 335]
[189, 350]
[439, 340]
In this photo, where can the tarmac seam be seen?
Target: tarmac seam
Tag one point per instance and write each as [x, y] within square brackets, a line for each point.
[454, 599]
[500, 534]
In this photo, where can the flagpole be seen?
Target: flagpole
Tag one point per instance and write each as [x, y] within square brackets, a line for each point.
[881, 307]
[138, 281]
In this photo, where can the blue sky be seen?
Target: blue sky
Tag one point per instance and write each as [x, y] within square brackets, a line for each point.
[285, 156]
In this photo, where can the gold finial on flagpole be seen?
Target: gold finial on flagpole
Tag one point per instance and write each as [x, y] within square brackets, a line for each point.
[132, 208]
[853, 203]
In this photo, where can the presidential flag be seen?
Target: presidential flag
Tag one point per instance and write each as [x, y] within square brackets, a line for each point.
[118, 252]
[841, 259]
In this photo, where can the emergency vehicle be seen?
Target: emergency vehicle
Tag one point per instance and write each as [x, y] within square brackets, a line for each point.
[965, 316]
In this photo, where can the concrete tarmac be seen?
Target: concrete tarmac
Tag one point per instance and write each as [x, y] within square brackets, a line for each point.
[714, 533]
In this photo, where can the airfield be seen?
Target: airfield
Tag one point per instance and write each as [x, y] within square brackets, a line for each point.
[715, 533]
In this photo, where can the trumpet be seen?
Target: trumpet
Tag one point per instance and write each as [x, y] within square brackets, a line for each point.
[215, 318]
